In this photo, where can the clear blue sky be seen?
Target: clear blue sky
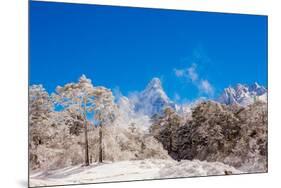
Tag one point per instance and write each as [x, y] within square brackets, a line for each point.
[126, 47]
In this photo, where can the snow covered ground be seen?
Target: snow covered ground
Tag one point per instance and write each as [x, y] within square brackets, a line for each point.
[130, 170]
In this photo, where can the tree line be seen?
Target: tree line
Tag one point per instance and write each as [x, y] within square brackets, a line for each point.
[78, 100]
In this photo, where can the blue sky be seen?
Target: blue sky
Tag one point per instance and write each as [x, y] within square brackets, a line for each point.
[193, 53]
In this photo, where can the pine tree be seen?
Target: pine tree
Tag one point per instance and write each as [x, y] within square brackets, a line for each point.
[105, 112]
[77, 98]
[164, 128]
[40, 108]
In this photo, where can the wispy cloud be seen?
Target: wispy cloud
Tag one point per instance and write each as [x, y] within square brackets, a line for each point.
[191, 74]
[206, 87]
[179, 72]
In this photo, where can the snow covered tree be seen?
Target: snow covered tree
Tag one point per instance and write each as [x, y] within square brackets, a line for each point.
[105, 112]
[234, 135]
[39, 100]
[40, 107]
[50, 144]
[78, 99]
[164, 129]
[132, 127]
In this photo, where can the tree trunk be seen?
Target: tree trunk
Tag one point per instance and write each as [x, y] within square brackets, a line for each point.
[87, 163]
[100, 144]
[170, 146]
[170, 138]
[86, 145]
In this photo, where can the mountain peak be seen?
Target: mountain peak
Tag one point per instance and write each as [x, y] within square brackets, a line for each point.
[240, 86]
[154, 83]
[242, 94]
[256, 84]
[153, 99]
[258, 89]
[154, 90]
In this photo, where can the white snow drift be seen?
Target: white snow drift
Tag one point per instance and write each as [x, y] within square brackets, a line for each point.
[130, 170]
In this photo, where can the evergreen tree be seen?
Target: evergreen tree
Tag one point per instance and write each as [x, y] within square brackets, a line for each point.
[105, 112]
[164, 129]
[78, 99]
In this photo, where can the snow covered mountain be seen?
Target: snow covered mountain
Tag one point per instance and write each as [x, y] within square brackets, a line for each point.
[243, 95]
[152, 100]
[139, 107]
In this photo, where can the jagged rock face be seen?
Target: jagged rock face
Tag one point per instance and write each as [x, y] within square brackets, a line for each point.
[153, 100]
[234, 135]
[256, 88]
[243, 95]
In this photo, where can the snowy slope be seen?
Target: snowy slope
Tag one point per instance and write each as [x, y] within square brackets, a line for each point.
[243, 95]
[130, 170]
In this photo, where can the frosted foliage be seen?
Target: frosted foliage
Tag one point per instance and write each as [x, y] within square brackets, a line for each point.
[52, 146]
[143, 136]
[234, 135]
[39, 100]
[124, 133]
[55, 136]
[75, 96]
[125, 144]
[254, 127]
[104, 106]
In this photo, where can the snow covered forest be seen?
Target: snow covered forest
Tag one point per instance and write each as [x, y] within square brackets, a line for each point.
[82, 133]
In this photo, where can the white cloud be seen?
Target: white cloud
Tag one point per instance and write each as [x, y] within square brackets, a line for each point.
[179, 72]
[191, 74]
[206, 87]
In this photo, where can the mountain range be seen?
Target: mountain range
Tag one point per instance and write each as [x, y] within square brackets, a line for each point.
[153, 99]
[243, 94]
